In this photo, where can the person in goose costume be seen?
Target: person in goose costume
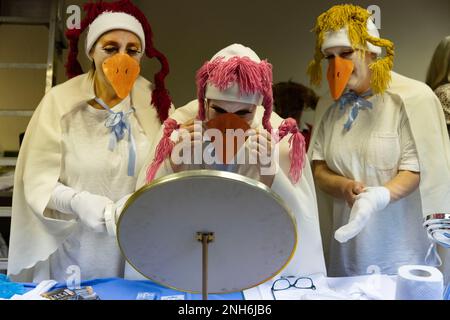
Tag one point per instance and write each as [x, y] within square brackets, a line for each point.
[381, 158]
[234, 91]
[83, 150]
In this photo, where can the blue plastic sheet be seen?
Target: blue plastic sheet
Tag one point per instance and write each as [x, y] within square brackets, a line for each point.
[121, 289]
[8, 288]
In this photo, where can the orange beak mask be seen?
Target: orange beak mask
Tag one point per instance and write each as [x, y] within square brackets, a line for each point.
[227, 151]
[121, 71]
[338, 75]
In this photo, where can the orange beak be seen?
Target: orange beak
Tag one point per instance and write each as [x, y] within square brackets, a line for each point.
[338, 75]
[227, 151]
[121, 71]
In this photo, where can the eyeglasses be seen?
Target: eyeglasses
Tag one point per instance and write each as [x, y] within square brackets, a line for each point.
[285, 283]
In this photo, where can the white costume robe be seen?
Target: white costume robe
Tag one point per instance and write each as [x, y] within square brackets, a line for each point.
[300, 198]
[36, 231]
[405, 126]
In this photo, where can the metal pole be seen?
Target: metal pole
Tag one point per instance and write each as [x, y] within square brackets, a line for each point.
[205, 266]
[205, 238]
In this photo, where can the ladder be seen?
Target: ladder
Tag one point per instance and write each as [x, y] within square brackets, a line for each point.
[56, 43]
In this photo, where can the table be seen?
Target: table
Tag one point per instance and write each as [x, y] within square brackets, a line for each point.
[121, 289]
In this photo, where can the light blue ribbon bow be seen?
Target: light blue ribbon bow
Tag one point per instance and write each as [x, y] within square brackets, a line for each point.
[357, 102]
[118, 123]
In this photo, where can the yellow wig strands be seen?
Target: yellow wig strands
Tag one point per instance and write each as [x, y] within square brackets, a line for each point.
[353, 18]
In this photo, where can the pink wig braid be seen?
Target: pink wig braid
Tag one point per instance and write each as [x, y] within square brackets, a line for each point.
[297, 147]
[163, 150]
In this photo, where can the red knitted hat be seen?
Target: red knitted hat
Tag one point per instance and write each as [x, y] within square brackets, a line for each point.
[160, 96]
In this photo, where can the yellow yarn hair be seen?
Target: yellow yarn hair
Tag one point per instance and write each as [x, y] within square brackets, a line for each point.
[355, 18]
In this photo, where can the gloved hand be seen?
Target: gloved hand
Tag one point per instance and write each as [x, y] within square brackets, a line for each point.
[113, 212]
[260, 146]
[90, 208]
[35, 294]
[119, 205]
[370, 201]
[97, 212]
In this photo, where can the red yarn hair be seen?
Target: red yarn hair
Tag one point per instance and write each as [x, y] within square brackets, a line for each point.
[160, 96]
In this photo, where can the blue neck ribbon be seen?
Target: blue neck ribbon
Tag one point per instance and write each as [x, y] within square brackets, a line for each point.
[118, 123]
[357, 103]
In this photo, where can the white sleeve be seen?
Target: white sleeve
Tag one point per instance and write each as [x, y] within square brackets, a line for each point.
[317, 151]
[308, 257]
[61, 198]
[111, 219]
[112, 214]
[409, 160]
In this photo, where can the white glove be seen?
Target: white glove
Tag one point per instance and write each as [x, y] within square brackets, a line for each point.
[35, 294]
[112, 214]
[90, 208]
[97, 212]
[372, 200]
[61, 197]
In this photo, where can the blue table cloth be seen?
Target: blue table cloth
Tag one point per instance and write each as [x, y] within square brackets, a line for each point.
[121, 289]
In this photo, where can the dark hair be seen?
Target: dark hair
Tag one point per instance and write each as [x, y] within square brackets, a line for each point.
[92, 70]
[291, 98]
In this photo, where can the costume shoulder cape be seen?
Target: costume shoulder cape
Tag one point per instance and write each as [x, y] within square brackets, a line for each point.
[427, 123]
[428, 128]
[37, 232]
[308, 257]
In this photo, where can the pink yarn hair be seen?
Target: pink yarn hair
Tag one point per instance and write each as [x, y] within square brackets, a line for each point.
[297, 147]
[251, 76]
[163, 150]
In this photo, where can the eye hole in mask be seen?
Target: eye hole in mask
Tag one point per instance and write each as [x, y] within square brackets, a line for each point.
[239, 113]
[226, 151]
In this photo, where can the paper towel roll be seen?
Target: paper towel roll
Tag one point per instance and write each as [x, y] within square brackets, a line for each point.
[417, 282]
